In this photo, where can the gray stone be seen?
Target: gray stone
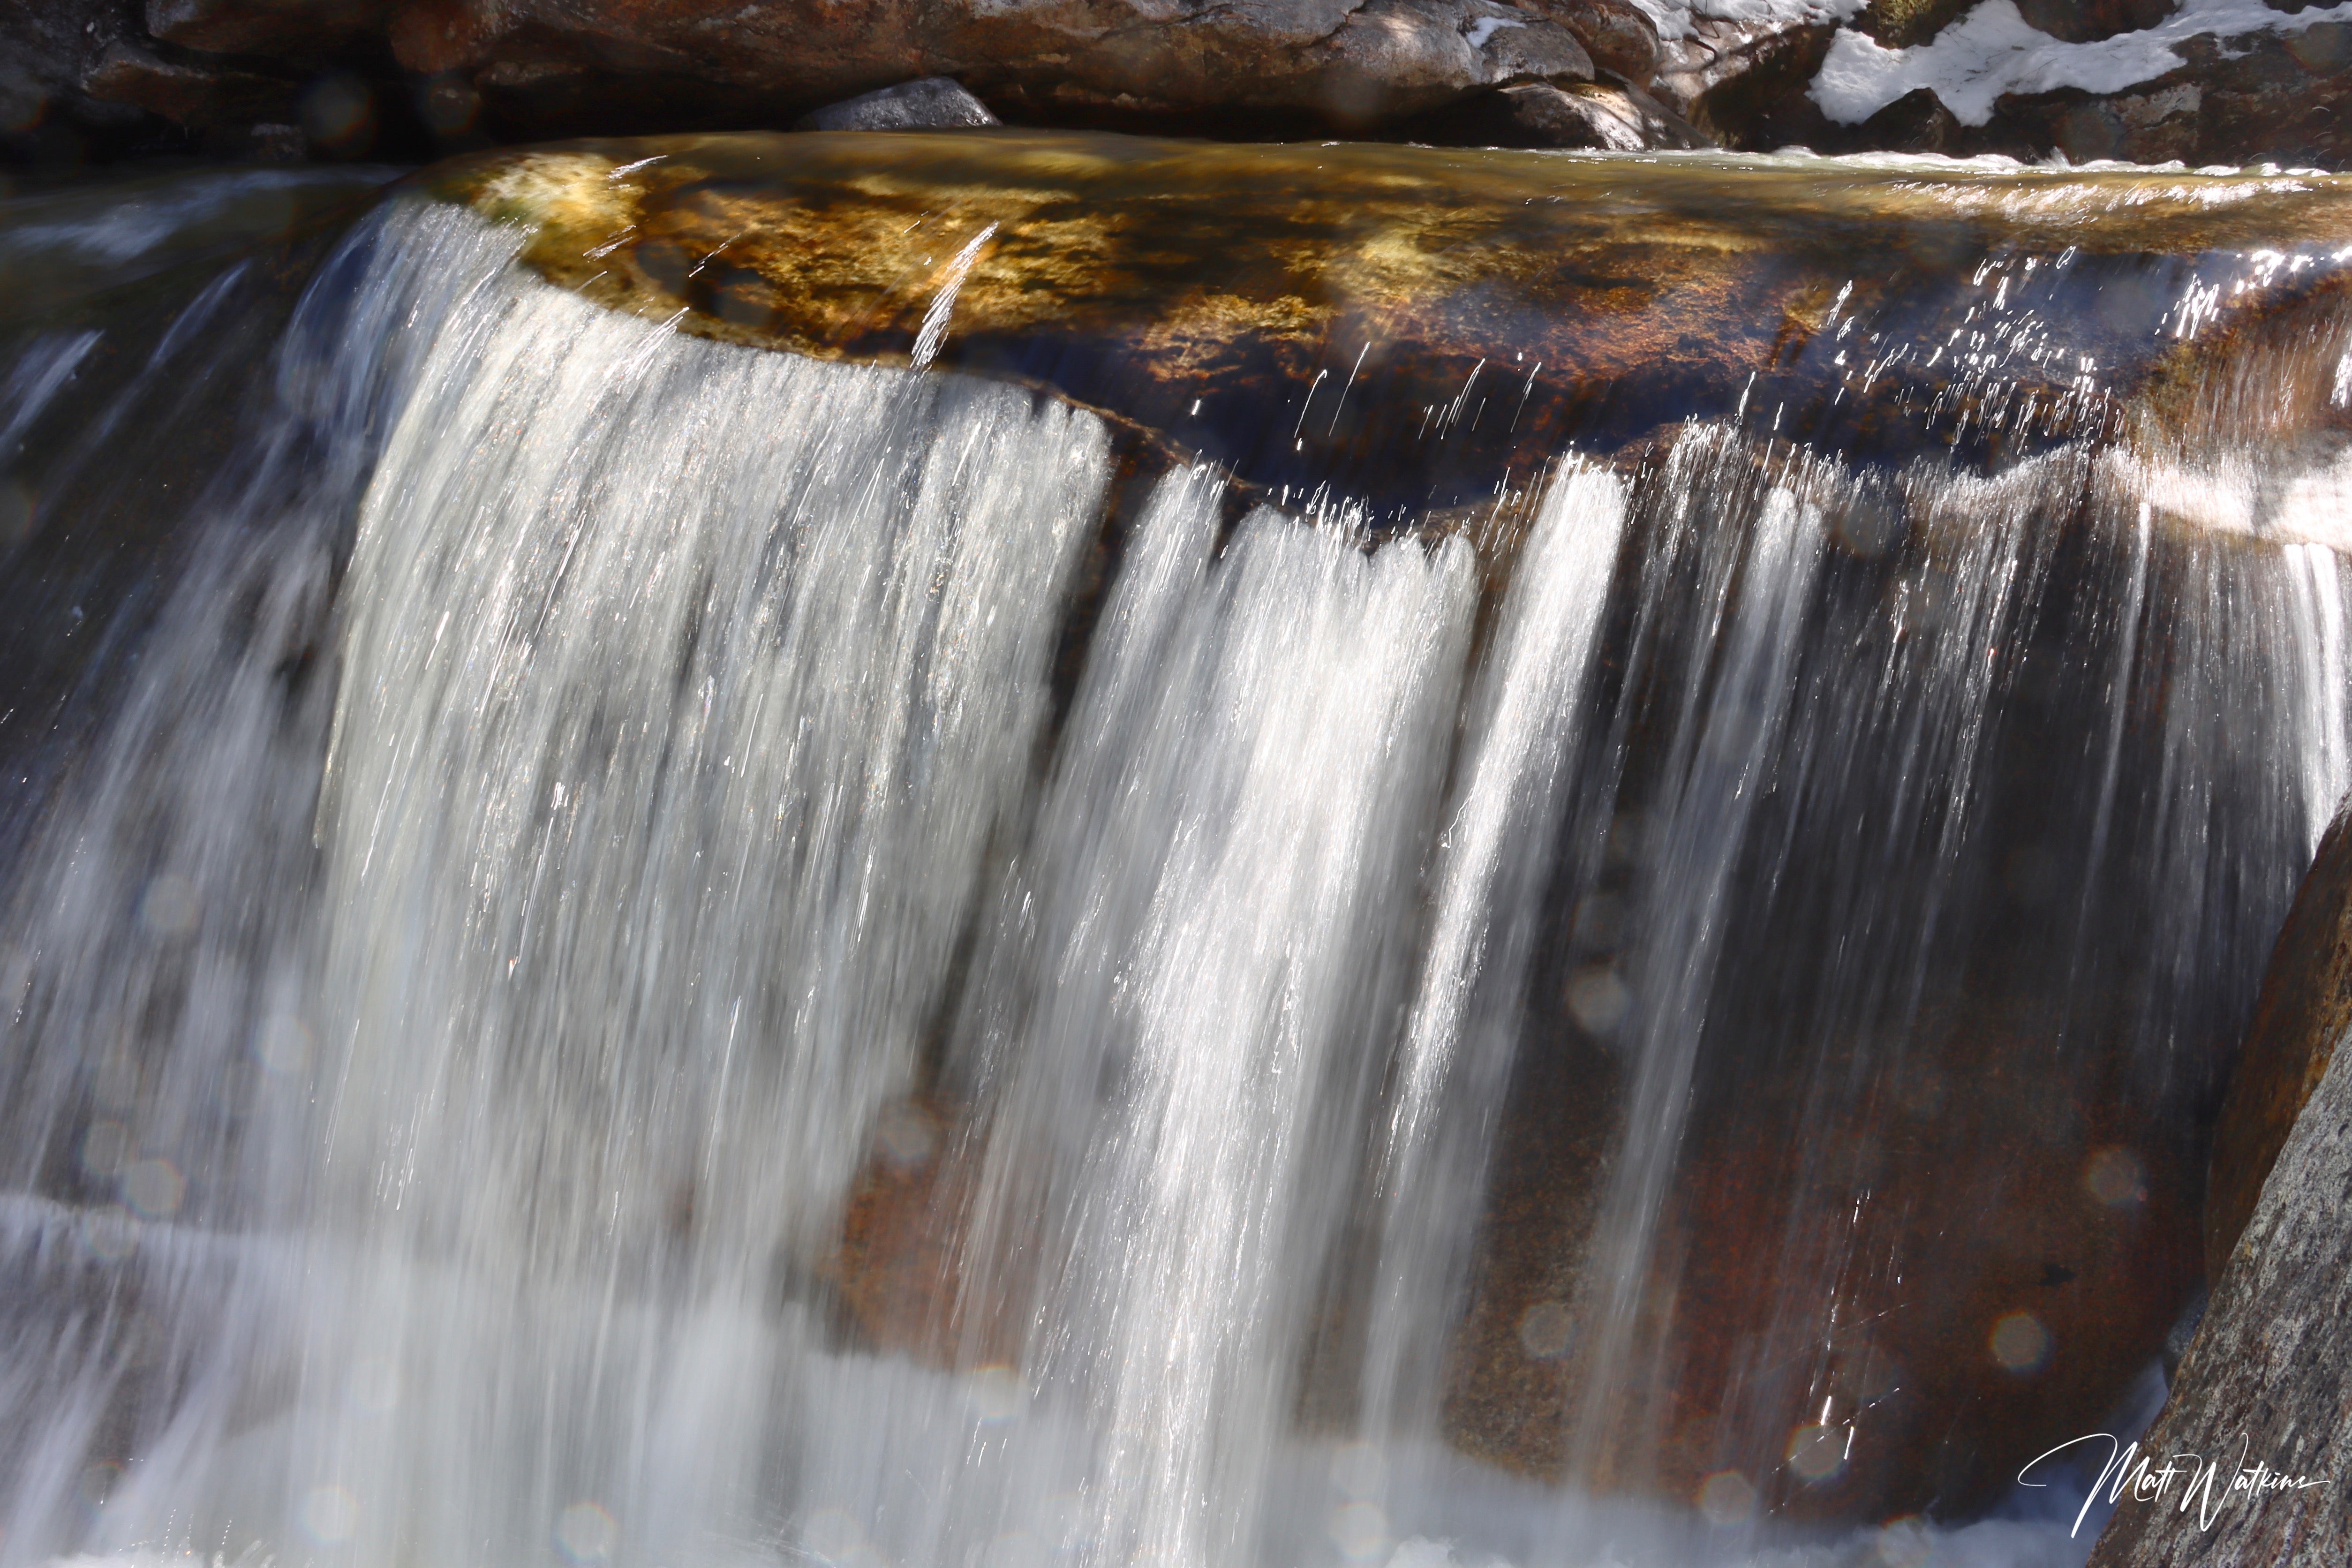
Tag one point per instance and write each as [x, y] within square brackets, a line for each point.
[931, 103]
[2266, 1380]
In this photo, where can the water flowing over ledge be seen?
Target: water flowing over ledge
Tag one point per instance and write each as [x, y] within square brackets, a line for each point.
[634, 949]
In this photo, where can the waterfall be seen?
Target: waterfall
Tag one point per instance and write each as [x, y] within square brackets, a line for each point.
[1456, 1052]
[634, 950]
[1219, 888]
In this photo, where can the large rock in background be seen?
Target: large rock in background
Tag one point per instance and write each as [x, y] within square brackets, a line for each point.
[426, 75]
[418, 78]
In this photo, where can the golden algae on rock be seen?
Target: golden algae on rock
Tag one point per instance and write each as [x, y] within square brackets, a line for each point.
[1412, 324]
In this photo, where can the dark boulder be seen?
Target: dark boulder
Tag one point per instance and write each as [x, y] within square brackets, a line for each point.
[932, 104]
[1915, 122]
[2086, 21]
[2265, 1383]
[2306, 1006]
[1738, 80]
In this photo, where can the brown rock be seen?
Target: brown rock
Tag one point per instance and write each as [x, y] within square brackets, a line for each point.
[2283, 98]
[2084, 21]
[1127, 274]
[1737, 81]
[898, 1267]
[2306, 1006]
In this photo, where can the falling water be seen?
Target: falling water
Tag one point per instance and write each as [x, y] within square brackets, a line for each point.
[1456, 1052]
[659, 952]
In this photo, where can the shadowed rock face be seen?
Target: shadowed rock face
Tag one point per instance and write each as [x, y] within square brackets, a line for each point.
[2263, 1382]
[1424, 323]
[1347, 62]
[2307, 1004]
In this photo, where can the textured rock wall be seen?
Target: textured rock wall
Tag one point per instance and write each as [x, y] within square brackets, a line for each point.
[2261, 1404]
[2306, 1007]
[2266, 1383]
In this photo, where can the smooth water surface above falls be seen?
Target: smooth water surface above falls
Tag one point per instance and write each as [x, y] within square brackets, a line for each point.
[1052, 850]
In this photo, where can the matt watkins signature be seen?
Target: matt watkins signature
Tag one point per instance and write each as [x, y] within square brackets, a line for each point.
[2204, 1482]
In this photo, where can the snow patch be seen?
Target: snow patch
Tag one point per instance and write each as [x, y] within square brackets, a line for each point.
[1485, 27]
[1993, 50]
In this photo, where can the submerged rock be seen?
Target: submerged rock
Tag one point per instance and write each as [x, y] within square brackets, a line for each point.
[1423, 312]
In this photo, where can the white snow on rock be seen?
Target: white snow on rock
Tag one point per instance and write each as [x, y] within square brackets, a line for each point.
[1674, 17]
[1993, 50]
[1485, 27]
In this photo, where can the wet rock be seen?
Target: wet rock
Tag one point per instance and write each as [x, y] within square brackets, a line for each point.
[2306, 1007]
[896, 1269]
[268, 143]
[932, 104]
[2264, 1381]
[1139, 276]
[1601, 116]
[1888, 1274]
